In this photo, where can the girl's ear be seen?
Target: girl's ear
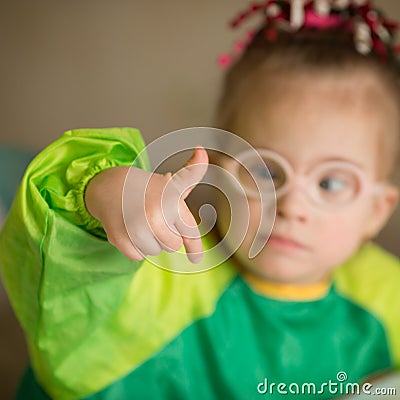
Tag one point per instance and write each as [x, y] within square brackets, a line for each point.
[384, 204]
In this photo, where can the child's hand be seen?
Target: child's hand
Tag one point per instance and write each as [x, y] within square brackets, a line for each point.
[154, 211]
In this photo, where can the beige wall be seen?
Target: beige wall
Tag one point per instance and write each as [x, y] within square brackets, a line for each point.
[94, 63]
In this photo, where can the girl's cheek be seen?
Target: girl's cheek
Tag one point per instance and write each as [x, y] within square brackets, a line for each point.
[341, 236]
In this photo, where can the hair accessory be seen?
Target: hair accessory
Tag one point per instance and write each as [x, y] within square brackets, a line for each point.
[371, 30]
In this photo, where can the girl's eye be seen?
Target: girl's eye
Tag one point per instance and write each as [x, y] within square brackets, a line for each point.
[277, 174]
[338, 186]
[332, 185]
[262, 173]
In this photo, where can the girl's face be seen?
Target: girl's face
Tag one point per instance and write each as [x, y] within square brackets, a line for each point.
[308, 122]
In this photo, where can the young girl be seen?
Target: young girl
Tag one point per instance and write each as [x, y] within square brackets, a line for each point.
[313, 314]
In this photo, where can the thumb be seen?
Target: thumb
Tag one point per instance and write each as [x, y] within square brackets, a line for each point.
[188, 176]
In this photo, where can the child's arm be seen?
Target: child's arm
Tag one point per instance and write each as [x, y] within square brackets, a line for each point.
[63, 278]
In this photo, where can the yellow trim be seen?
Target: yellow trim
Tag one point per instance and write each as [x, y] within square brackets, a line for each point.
[284, 291]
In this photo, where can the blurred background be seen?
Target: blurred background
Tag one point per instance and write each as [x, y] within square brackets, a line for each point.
[97, 63]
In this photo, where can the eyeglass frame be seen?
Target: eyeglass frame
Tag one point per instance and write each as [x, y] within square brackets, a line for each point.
[367, 185]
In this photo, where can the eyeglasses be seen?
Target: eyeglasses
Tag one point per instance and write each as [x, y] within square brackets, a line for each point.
[331, 183]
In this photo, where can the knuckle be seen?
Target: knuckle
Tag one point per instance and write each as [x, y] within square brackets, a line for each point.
[174, 245]
[155, 217]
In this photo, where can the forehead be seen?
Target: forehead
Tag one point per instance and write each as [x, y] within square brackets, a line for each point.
[326, 116]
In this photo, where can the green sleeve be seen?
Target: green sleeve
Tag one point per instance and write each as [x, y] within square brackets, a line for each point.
[63, 278]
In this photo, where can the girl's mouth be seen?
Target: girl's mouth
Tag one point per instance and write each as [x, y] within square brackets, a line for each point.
[284, 243]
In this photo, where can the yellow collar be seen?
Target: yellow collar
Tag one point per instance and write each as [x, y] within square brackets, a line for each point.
[287, 291]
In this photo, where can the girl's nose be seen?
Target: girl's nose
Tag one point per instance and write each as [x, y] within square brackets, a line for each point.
[293, 204]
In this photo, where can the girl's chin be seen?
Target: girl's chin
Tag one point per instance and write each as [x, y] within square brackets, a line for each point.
[278, 269]
[261, 271]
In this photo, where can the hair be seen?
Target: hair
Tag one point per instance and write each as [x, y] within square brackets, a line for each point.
[309, 52]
